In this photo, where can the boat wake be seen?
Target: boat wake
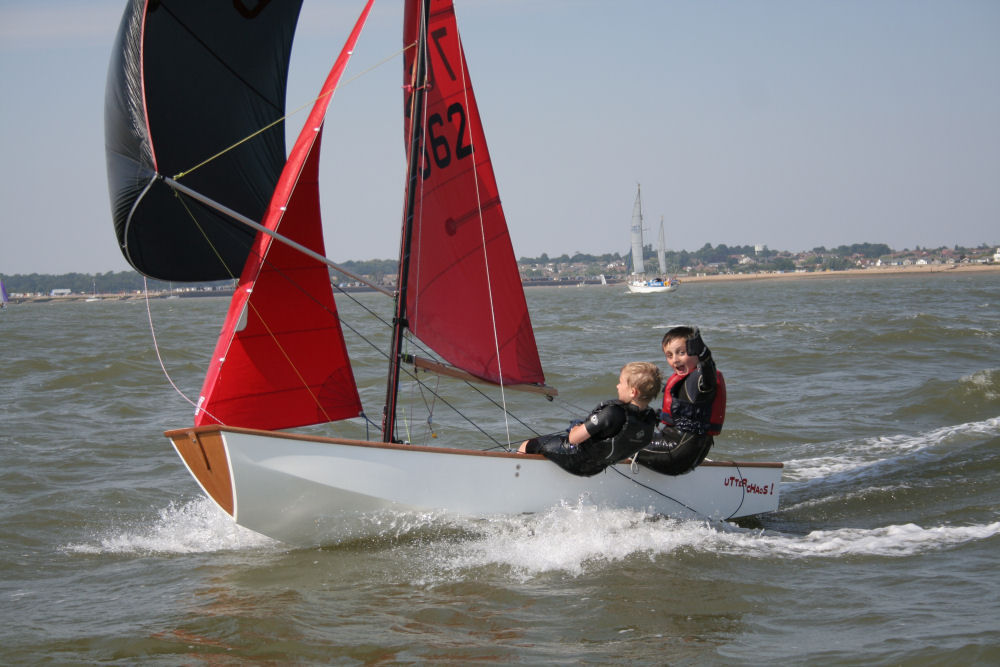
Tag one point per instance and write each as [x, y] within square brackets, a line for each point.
[889, 541]
[581, 540]
[572, 540]
[865, 458]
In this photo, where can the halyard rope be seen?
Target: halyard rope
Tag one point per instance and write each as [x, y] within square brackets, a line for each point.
[159, 357]
[288, 115]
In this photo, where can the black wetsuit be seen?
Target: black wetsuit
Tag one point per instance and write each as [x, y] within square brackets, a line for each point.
[617, 431]
[691, 416]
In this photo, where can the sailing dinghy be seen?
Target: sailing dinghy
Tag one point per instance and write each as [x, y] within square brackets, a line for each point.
[281, 361]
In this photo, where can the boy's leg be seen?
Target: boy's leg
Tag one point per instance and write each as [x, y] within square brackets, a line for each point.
[535, 445]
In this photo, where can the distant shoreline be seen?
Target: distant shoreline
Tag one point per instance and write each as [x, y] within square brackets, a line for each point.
[872, 272]
[879, 272]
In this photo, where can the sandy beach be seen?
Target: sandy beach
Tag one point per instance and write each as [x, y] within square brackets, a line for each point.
[874, 272]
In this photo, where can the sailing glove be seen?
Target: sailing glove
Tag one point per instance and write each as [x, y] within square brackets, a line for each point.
[696, 346]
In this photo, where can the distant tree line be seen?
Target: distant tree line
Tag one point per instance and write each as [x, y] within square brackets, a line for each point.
[376, 269]
[869, 250]
[708, 254]
[675, 259]
[579, 257]
[722, 255]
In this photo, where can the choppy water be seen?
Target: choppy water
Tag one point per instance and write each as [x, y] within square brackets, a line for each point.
[882, 395]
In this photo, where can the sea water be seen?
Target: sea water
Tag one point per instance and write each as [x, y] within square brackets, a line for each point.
[881, 395]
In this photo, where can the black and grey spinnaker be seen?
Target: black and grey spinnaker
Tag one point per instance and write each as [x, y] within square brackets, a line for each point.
[189, 79]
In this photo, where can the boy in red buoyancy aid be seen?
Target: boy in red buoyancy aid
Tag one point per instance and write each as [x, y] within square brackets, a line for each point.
[694, 405]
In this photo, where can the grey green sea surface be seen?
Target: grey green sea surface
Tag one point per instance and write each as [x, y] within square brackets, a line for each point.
[880, 395]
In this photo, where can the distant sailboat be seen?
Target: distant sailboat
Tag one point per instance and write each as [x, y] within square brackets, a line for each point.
[94, 296]
[639, 284]
[4, 299]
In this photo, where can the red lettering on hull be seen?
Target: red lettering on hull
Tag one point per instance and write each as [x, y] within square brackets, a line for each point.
[748, 486]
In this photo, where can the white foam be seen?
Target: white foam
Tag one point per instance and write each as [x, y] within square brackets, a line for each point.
[984, 381]
[891, 541]
[871, 451]
[573, 540]
[843, 496]
[198, 526]
[568, 539]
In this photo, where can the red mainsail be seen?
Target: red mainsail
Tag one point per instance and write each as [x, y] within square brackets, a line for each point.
[281, 360]
[464, 296]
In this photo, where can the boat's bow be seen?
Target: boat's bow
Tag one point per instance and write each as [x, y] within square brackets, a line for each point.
[204, 453]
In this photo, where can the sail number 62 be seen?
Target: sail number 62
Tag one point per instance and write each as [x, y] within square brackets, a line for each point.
[438, 146]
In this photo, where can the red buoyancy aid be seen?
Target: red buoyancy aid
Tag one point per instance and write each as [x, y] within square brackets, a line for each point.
[681, 413]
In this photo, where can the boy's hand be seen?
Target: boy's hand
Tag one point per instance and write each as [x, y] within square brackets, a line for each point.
[696, 346]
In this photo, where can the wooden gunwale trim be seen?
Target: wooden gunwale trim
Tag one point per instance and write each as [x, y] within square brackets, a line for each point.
[198, 430]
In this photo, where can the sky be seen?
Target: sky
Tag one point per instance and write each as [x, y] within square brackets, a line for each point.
[792, 124]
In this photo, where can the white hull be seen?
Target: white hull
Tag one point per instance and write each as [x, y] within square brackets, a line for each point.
[642, 288]
[306, 490]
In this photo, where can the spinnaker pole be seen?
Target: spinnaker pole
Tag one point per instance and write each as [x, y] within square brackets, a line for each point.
[239, 217]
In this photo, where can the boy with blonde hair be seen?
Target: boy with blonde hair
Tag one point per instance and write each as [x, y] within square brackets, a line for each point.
[612, 432]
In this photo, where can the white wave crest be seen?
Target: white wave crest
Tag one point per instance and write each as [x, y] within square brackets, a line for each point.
[890, 541]
[871, 451]
[985, 381]
[198, 526]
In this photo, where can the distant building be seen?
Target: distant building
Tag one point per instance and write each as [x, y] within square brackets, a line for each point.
[61, 292]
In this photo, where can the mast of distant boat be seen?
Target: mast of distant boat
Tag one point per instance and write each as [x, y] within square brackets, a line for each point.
[661, 250]
[637, 266]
